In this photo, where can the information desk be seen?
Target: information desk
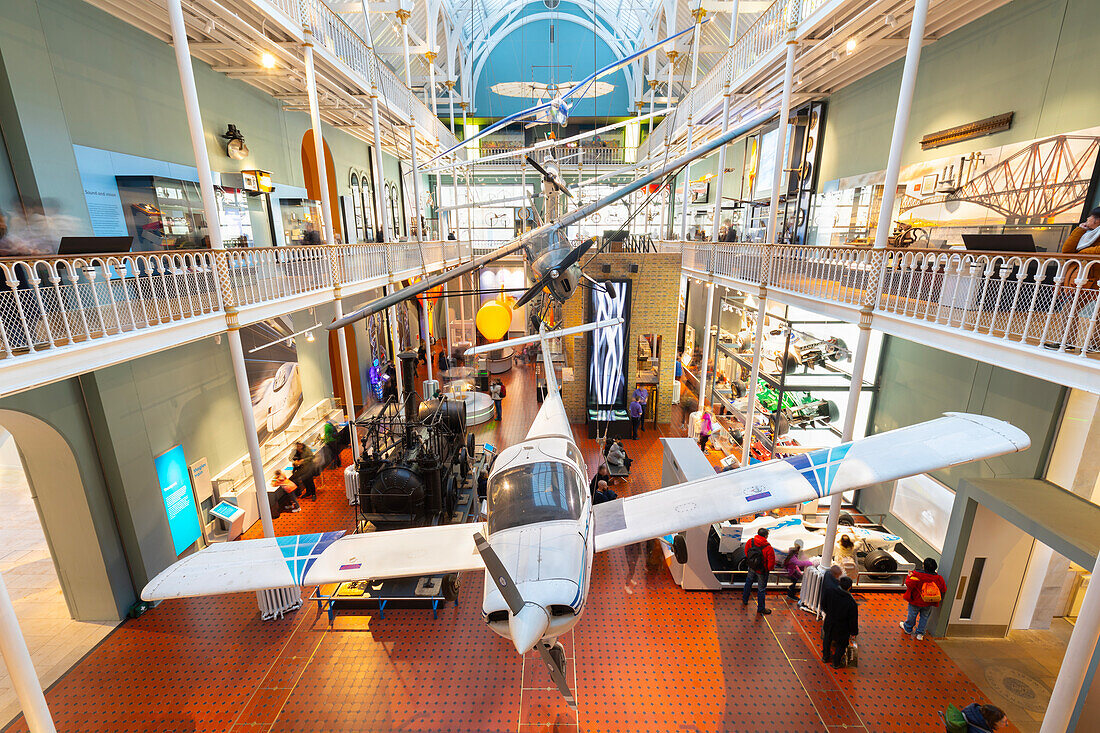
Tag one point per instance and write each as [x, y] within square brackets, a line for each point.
[430, 591]
[230, 518]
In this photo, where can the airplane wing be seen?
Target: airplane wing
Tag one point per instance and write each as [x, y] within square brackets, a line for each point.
[503, 122]
[947, 441]
[315, 559]
[581, 87]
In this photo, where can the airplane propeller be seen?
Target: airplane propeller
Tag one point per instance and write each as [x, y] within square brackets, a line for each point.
[522, 611]
[566, 262]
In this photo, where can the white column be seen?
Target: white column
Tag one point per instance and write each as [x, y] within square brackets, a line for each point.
[416, 188]
[687, 180]
[17, 659]
[244, 399]
[383, 216]
[699, 14]
[431, 56]
[901, 121]
[447, 319]
[318, 141]
[210, 210]
[403, 15]
[778, 176]
[754, 379]
[329, 229]
[1072, 675]
[725, 127]
[665, 206]
[345, 362]
[703, 392]
[395, 346]
[859, 364]
[652, 83]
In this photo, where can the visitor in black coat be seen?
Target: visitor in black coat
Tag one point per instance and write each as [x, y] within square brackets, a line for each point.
[841, 622]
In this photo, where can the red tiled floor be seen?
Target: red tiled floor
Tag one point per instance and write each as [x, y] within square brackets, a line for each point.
[659, 660]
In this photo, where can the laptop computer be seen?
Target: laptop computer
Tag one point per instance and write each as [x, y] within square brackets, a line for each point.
[999, 242]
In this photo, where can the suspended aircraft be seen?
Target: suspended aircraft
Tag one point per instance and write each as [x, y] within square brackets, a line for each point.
[565, 96]
[553, 262]
[542, 530]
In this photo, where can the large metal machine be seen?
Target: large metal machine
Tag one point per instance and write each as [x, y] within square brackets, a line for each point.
[413, 460]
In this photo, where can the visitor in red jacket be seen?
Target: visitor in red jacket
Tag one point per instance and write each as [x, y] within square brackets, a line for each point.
[924, 591]
[760, 559]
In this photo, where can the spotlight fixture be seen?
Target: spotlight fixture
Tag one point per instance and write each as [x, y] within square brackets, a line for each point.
[208, 29]
[309, 336]
[850, 45]
[235, 147]
[835, 56]
[890, 20]
[267, 60]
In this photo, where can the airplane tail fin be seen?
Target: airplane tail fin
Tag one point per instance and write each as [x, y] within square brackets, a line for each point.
[543, 337]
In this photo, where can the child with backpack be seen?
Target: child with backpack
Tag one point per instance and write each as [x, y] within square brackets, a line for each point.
[923, 591]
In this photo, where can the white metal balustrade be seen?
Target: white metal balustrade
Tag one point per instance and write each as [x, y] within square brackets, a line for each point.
[54, 304]
[1042, 302]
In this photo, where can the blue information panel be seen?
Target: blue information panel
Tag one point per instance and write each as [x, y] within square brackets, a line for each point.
[179, 500]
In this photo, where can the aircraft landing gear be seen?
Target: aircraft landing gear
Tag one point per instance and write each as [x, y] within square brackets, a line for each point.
[557, 653]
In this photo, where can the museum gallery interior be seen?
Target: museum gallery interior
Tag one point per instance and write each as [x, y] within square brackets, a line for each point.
[549, 365]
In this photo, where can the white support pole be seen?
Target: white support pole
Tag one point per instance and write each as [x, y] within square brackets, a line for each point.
[687, 181]
[901, 122]
[210, 210]
[451, 103]
[17, 658]
[252, 439]
[781, 139]
[387, 236]
[345, 362]
[318, 141]
[666, 206]
[1069, 687]
[447, 320]
[416, 188]
[403, 15]
[719, 185]
[329, 228]
[395, 346]
[859, 364]
[703, 392]
[754, 379]
[652, 89]
[700, 13]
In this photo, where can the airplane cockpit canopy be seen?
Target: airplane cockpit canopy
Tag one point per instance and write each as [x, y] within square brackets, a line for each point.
[544, 491]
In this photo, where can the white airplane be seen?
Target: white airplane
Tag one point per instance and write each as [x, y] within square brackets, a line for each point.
[542, 531]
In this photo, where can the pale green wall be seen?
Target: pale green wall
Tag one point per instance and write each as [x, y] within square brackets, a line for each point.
[81, 76]
[1030, 57]
[920, 383]
[61, 405]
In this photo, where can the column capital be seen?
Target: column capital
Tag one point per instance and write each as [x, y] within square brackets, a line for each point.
[430, 55]
[672, 55]
[699, 13]
[450, 84]
[403, 15]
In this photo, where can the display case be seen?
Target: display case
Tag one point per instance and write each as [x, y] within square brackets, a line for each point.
[804, 377]
[297, 215]
[162, 213]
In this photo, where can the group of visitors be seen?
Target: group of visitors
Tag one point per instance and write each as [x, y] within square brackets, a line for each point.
[301, 483]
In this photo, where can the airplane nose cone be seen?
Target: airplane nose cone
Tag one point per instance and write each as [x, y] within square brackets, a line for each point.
[528, 626]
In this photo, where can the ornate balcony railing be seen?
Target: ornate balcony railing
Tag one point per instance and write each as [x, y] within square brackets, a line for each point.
[51, 303]
[1041, 301]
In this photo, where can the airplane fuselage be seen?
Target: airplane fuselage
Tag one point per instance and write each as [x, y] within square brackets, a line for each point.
[540, 525]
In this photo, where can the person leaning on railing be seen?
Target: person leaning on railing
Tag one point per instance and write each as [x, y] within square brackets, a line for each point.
[1083, 240]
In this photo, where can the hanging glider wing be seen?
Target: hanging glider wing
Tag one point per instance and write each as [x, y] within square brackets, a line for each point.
[316, 559]
[580, 89]
[947, 441]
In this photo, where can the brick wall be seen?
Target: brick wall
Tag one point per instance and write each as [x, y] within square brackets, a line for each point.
[653, 310]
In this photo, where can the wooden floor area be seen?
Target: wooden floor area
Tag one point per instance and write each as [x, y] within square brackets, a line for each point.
[660, 659]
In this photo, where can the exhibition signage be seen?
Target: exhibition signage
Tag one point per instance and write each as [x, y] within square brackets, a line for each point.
[179, 500]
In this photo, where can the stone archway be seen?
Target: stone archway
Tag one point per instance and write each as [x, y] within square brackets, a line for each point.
[57, 489]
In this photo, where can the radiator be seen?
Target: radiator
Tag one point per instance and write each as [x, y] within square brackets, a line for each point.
[810, 597]
[351, 484]
[274, 602]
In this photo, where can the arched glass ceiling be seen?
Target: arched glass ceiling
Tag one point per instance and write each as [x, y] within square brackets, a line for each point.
[461, 32]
